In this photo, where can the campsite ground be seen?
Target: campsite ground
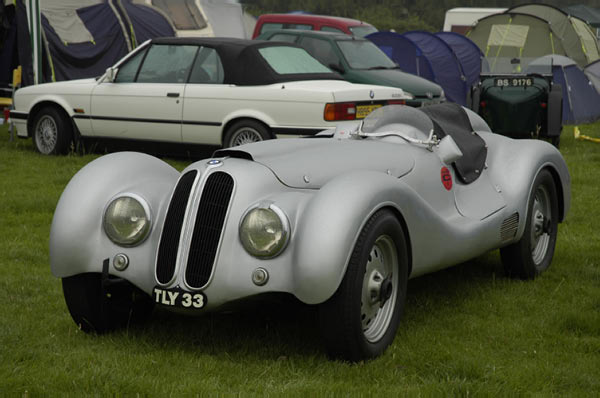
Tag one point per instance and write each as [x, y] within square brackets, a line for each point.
[466, 330]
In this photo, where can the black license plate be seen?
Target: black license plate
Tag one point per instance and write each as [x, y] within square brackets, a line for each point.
[513, 82]
[179, 298]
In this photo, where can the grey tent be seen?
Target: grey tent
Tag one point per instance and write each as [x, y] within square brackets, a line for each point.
[588, 14]
[580, 99]
[592, 71]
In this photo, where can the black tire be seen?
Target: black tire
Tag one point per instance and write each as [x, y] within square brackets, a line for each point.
[555, 141]
[97, 311]
[533, 253]
[244, 132]
[354, 331]
[52, 132]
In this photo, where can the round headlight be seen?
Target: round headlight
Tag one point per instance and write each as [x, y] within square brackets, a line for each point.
[264, 231]
[127, 220]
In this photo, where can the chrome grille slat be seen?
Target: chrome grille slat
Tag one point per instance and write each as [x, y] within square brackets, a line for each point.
[210, 218]
[171, 234]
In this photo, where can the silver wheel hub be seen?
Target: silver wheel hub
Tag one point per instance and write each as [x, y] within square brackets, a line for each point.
[245, 135]
[380, 289]
[540, 220]
[46, 134]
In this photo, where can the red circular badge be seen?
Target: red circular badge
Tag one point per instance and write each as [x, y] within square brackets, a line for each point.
[446, 178]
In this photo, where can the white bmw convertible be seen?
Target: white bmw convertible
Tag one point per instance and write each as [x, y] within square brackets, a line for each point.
[208, 91]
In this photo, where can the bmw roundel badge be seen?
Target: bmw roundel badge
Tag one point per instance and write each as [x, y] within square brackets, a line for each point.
[214, 162]
[371, 94]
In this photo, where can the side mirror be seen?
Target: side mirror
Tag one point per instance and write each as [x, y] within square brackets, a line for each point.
[337, 68]
[448, 151]
[111, 74]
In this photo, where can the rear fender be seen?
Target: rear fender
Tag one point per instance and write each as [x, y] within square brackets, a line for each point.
[514, 165]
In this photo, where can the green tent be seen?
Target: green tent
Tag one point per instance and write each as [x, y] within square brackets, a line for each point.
[538, 31]
[578, 37]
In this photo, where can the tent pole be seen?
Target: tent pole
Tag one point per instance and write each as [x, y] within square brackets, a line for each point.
[33, 17]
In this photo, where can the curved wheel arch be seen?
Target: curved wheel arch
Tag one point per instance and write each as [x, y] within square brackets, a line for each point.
[41, 105]
[237, 119]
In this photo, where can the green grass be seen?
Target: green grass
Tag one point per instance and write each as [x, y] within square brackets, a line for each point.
[467, 330]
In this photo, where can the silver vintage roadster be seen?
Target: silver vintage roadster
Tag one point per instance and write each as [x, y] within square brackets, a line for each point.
[340, 220]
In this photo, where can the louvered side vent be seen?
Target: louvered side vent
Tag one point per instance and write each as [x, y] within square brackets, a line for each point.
[212, 210]
[169, 241]
[509, 227]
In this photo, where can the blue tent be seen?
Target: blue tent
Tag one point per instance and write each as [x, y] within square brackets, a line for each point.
[467, 52]
[446, 67]
[580, 98]
[428, 56]
[404, 52]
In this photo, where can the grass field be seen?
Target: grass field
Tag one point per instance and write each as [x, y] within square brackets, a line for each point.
[467, 330]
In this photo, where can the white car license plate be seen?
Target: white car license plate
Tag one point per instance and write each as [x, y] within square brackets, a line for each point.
[179, 298]
[362, 111]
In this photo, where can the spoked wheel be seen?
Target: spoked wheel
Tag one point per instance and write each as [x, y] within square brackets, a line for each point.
[52, 132]
[361, 319]
[245, 132]
[533, 253]
[97, 309]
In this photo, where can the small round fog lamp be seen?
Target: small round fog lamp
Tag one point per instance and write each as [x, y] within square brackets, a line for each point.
[121, 262]
[260, 276]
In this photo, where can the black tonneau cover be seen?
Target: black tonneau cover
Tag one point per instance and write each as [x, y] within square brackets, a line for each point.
[451, 119]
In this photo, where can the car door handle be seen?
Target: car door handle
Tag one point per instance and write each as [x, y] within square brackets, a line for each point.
[172, 95]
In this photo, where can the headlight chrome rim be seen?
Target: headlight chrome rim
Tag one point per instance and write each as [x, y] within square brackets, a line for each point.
[148, 214]
[285, 225]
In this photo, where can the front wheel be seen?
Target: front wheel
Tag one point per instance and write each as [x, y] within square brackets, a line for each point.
[97, 308]
[533, 253]
[361, 319]
[245, 132]
[52, 132]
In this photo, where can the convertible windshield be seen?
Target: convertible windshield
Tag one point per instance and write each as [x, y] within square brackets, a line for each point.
[363, 54]
[288, 60]
[515, 66]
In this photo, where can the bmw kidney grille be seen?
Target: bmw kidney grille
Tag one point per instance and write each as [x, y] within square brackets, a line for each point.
[207, 228]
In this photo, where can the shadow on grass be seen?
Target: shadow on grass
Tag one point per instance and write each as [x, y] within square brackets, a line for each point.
[280, 326]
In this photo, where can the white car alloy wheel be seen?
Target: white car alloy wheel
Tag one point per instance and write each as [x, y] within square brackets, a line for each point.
[46, 134]
[380, 283]
[245, 135]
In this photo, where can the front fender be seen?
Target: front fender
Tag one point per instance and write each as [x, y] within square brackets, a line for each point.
[330, 225]
[78, 243]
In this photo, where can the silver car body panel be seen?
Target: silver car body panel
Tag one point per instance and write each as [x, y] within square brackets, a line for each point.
[328, 188]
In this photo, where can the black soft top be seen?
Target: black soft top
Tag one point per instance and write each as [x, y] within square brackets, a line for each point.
[242, 63]
[451, 119]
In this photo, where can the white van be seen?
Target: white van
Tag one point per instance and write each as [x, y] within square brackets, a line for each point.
[459, 20]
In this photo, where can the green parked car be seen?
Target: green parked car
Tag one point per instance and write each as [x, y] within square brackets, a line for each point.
[358, 60]
[518, 98]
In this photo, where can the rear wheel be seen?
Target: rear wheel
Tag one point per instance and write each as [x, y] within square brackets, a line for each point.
[533, 253]
[52, 132]
[245, 132]
[98, 309]
[361, 319]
